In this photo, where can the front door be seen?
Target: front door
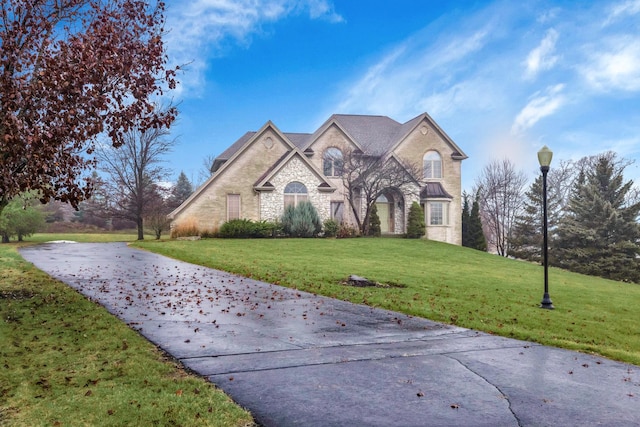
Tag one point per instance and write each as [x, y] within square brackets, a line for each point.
[383, 214]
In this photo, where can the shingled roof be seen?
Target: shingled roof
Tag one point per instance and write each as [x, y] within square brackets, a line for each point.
[298, 139]
[374, 135]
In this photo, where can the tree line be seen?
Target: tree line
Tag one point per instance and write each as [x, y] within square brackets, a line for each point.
[593, 216]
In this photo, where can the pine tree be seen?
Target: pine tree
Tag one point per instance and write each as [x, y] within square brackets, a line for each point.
[526, 238]
[599, 234]
[374, 222]
[477, 239]
[181, 191]
[466, 218]
[416, 226]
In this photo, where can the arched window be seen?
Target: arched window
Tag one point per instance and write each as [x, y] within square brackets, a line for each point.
[332, 162]
[294, 193]
[432, 165]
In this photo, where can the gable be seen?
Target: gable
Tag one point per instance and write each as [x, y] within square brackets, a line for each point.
[422, 134]
[302, 167]
[257, 153]
[331, 136]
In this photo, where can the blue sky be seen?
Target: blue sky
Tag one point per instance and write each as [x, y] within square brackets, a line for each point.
[502, 78]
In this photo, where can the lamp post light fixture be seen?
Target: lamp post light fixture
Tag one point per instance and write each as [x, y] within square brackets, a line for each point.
[544, 157]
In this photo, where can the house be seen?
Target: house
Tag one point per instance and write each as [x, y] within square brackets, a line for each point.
[263, 171]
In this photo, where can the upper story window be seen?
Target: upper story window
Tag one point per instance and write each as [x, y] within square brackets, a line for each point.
[432, 165]
[332, 162]
[294, 193]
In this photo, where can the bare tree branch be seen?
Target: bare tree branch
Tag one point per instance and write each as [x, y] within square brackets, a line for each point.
[366, 177]
[501, 193]
[134, 170]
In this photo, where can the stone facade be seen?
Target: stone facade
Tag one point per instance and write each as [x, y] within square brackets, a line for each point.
[272, 202]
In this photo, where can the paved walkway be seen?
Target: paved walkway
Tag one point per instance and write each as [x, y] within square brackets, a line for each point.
[296, 359]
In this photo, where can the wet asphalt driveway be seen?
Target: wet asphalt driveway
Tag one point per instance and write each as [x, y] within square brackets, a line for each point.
[293, 358]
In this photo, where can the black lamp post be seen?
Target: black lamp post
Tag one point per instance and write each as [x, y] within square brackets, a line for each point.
[544, 157]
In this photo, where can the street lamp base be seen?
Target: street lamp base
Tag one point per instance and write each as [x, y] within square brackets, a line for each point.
[546, 302]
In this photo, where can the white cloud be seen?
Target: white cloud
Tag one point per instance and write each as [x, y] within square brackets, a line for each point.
[623, 9]
[615, 66]
[541, 105]
[366, 91]
[542, 58]
[322, 9]
[403, 79]
[197, 28]
[548, 15]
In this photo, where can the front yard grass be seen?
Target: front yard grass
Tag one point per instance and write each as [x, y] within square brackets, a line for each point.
[441, 282]
[66, 361]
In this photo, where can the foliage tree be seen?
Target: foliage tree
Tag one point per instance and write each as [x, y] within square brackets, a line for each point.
[133, 169]
[22, 217]
[374, 222]
[70, 72]
[599, 234]
[366, 177]
[180, 191]
[416, 227]
[500, 191]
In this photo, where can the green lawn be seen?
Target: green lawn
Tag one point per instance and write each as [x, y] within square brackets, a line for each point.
[442, 282]
[66, 361]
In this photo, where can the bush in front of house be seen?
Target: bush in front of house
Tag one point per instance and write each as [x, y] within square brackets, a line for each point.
[246, 228]
[374, 222]
[330, 227]
[416, 226]
[185, 228]
[345, 231]
[301, 221]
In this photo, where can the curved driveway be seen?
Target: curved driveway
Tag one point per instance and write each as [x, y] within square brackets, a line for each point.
[294, 358]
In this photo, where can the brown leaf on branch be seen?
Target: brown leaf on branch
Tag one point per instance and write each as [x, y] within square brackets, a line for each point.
[71, 74]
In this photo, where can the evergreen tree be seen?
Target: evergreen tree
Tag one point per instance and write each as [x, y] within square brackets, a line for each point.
[416, 226]
[477, 239]
[374, 222]
[287, 219]
[526, 239]
[307, 221]
[181, 191]
[301, 221]
[466, 218]
[599, 234]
